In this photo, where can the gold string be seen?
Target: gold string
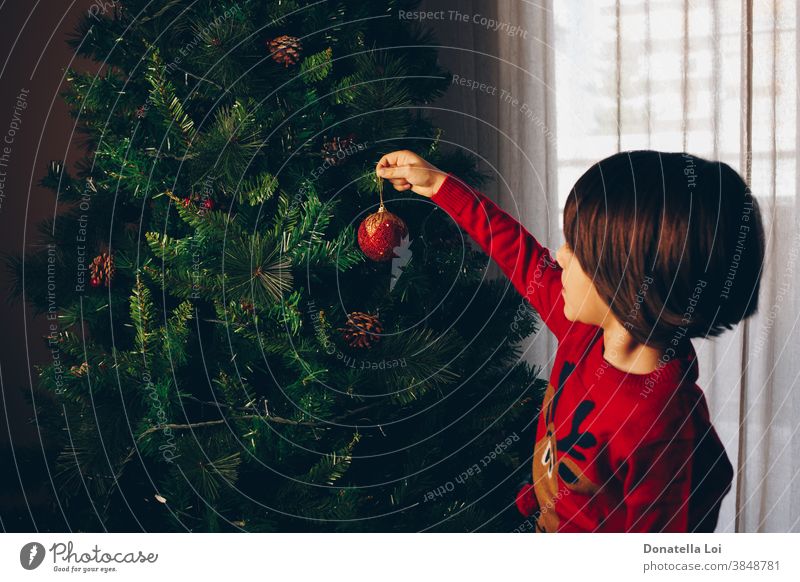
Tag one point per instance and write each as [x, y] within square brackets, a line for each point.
[380, 193]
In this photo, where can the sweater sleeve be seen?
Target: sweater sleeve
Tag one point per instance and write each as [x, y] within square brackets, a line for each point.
[656, 486]
[528, 265]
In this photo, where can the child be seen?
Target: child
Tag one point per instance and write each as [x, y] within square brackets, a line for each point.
[660, 248]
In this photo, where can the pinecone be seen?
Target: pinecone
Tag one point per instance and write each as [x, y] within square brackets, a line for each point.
[285, 49]
[335, 150]
[101, 270]
[362, 330]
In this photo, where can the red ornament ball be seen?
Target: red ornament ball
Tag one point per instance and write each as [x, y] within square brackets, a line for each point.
[94, 281]
[379, 233]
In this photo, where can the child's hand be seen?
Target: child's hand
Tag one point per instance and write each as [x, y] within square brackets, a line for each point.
[406, 170]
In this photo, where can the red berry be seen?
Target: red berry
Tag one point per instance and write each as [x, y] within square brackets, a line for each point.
[186, 202]
[95, 282]
[208, 204]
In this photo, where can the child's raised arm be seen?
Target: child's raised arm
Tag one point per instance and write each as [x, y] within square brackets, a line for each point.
[527, 264]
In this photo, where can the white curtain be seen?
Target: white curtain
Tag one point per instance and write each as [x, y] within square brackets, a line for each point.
[503, 112]
[577, 81]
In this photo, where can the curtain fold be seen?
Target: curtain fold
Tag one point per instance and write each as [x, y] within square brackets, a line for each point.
[768, 489]
[718, 80]
[510, 125]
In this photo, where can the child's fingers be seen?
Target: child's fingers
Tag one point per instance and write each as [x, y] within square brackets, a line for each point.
[397, 158]
[393, 172]
[387, 162]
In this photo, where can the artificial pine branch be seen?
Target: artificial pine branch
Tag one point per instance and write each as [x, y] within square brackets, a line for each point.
[207, 344]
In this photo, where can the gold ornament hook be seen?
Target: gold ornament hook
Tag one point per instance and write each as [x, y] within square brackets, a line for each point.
[380, 193]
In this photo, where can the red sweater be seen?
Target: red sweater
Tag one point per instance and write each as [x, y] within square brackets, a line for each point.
[614, 451]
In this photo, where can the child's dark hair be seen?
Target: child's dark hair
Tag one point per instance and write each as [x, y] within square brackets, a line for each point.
[673, 243]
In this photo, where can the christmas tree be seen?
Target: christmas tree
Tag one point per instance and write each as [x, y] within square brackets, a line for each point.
[225, 357]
